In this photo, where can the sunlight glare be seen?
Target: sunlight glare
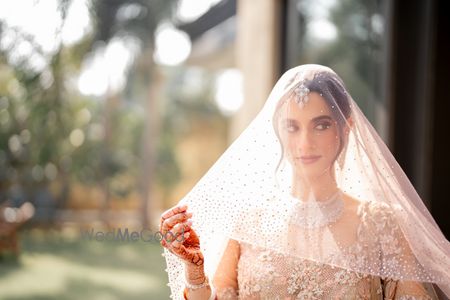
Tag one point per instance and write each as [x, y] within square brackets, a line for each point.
[229, 91]
[172, 46]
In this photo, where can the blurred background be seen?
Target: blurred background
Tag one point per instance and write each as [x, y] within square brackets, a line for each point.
[110, 112]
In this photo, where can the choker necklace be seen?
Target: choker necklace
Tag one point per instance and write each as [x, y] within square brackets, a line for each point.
[316, 214]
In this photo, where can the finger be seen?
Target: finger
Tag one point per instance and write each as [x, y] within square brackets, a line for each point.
[181, 251]
[173, 240]
[171, 212]
[178, 248]
[169, 223]
[170, 235]
[182, 227]
[195, 258]
[178, 241]
[178, 218]
[176, 233]
[189, 255]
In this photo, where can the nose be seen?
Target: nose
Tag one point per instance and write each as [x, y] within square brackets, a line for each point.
[305, 142]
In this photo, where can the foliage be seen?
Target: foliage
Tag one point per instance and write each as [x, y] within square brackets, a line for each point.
[356, 52]
[50, 133]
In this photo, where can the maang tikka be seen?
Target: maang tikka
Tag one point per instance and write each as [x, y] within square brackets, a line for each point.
[301, 94]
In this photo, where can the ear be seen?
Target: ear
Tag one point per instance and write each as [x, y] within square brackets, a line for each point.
[349, 125]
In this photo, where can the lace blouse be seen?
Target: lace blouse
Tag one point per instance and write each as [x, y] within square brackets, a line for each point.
[264, 274]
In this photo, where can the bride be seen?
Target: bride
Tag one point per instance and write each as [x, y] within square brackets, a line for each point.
[307, 203]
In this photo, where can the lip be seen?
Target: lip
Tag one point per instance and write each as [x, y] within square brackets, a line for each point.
[309, 159]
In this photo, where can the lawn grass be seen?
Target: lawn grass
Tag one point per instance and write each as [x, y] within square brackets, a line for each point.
[53, 265]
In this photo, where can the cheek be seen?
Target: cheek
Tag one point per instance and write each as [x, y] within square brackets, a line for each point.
[287, 142]
[289, 148]
[328, 142]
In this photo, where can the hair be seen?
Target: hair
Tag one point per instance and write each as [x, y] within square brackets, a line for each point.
[332, 89]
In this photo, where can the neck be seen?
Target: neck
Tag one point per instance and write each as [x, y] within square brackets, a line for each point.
[320, 188]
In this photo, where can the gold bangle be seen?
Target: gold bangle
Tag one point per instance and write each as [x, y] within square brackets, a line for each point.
[190, 286]
[212, 297]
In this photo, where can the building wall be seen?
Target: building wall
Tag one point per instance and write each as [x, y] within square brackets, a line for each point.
[257, 55]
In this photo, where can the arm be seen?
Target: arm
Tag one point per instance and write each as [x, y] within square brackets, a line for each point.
[396, 248]
[225, 279]
[195, 275]
[177, 221]
[185, 243]
[399, 290]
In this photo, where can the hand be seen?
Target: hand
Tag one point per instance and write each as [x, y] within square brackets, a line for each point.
[181, 239]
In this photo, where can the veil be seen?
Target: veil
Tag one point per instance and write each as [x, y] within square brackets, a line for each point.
[311, 179]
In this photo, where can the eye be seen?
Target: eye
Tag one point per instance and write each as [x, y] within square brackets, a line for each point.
[291, 127]
[323, 126]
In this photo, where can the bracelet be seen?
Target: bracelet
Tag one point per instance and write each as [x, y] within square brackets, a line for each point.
[212, 297]
[188, 285]
[197, 286]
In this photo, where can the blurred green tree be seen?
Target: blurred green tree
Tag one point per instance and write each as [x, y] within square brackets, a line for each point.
[51, 133]
[138, 19]
[356, 52]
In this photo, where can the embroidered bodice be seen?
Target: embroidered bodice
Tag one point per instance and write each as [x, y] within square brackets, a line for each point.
[264, 274]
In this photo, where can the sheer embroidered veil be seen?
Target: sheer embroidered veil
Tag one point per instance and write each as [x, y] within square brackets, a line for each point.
[295, 180]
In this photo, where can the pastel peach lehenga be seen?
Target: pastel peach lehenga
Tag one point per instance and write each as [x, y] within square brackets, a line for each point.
[265, 274]
[309, 203]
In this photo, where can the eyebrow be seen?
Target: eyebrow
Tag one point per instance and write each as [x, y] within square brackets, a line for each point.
[327, 117]
[322, 117]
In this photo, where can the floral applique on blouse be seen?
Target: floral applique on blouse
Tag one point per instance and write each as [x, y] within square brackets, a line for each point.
[264, 274]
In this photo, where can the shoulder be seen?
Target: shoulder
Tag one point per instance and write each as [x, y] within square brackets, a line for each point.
[371, 210]
[379, 216]
[235, 244]
[378, 209]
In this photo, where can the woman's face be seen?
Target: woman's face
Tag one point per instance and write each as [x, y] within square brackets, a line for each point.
[309, 135]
